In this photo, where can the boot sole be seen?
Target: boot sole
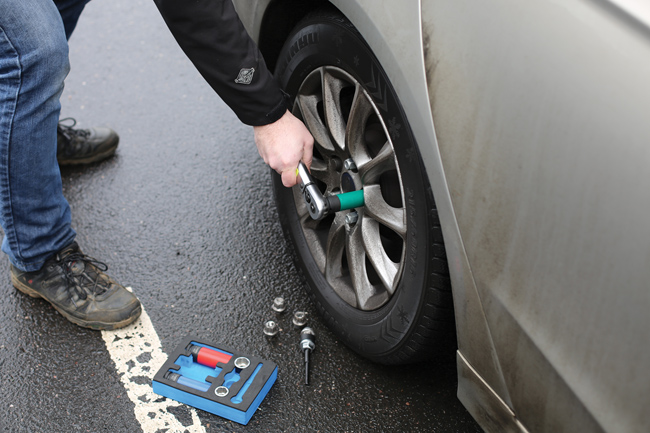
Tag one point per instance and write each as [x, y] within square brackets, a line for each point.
[95, 158]
[95, 325]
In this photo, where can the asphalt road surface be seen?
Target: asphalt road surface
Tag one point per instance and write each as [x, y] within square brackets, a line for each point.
[184, 215]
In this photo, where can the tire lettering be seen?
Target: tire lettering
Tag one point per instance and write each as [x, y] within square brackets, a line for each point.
[413, 232]
[303, 42]
[377, 90]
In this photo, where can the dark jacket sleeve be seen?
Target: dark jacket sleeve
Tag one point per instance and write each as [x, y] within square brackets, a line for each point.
[213, 37]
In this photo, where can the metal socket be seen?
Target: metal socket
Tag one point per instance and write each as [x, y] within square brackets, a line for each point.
[242, 362]
[221, 391]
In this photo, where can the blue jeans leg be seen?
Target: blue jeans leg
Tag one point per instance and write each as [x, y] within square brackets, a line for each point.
[33, 65]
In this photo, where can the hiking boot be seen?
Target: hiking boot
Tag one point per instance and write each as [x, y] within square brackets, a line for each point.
[78, 288]
[83, 146]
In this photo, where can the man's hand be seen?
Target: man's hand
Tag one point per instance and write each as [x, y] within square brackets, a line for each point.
[283, 144]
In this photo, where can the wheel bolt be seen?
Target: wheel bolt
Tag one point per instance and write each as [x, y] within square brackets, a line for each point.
[350, 165]
[351, 218]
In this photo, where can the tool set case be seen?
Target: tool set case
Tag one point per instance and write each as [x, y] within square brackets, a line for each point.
[215, 379]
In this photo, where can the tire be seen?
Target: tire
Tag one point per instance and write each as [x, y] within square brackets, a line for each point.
[382, 284]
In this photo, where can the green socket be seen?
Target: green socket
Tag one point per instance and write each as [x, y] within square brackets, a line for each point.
[347, 200]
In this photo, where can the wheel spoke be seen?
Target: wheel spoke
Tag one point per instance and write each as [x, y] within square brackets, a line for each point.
[332, 87]
[334, 272]
[357, 263]
[384, 266]
[335, 247]
[303, 211]
[307, 104]
[318, 168]
[368, 295]
[384, 161]
[359, 114]
[321, 171]
[377, 208]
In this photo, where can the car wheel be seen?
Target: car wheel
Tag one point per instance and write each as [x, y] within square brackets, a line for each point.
[378, 274]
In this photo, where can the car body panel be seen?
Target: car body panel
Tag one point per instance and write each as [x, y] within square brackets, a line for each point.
[252, 14]
[492, 413]
[541, 117]
[538, 164]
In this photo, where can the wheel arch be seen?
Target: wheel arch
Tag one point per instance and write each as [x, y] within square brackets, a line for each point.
[409, 80]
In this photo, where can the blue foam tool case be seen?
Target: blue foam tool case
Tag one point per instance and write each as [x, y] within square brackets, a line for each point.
[215, 379]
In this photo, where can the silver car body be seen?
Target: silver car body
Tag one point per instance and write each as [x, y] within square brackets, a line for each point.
[533, 122]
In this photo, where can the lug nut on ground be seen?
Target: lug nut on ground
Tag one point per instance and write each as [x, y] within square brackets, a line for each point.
[271, 328]
[299, 318]
[279, 305]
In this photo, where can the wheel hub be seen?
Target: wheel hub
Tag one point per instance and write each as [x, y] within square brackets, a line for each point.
[348, 183]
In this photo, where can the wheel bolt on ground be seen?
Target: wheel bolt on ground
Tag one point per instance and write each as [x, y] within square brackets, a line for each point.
[279, 305]
[352, 218]
[271, 328]
[300, 318]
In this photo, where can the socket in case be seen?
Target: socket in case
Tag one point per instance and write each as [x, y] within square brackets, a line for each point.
[215, 379]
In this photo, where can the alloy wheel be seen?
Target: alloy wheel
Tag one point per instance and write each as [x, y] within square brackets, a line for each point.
[361, 251]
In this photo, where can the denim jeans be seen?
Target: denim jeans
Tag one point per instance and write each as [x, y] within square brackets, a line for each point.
[34, 214]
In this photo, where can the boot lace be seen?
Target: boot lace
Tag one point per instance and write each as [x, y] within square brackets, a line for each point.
[85, 274]
[68, 132]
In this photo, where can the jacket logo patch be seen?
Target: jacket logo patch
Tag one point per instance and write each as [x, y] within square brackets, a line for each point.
[245, 76]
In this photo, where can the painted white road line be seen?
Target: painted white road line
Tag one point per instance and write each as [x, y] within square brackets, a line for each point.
[137, 354]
